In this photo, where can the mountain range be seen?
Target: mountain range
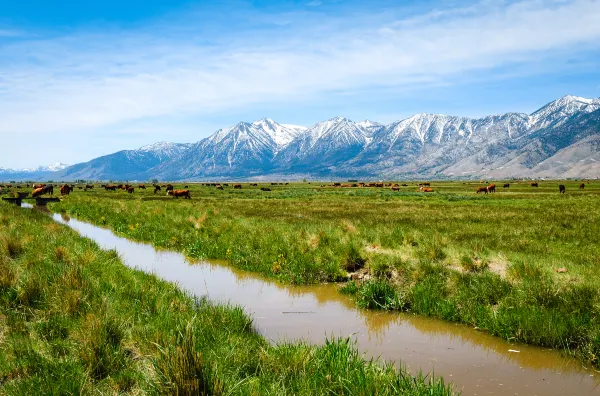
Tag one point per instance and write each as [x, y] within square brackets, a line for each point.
[561, 139]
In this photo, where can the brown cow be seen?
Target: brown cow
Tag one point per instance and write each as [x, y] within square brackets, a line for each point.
[36, 186]
[491, 188]
[379, 185]
[582, 186]
[237, 186]
[41, 191]
[481, 189]
[156, 188]
[142, 186]
[169, 187]
[130, 190]
[533, 184]
[110, 187]
[426, 189]
[219, 187]
[65, 189]
[395, 187]
[506, 185]
[180, 193]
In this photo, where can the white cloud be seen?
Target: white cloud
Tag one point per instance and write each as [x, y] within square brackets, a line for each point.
[88, 81]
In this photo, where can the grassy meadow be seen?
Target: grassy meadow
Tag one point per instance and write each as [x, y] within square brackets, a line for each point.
[75, 320]
[523, 263]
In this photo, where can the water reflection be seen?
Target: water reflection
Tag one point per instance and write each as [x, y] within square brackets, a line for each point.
[475, 361]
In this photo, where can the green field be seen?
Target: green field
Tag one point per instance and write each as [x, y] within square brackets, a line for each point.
[485, 260]
[75, 320]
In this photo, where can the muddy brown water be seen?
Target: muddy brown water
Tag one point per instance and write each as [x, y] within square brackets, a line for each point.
[477, 363]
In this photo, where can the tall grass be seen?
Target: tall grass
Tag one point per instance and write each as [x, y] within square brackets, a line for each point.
[488, 261]
[75, 320]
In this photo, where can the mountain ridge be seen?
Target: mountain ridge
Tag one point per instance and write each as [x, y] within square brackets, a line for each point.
[423, 145]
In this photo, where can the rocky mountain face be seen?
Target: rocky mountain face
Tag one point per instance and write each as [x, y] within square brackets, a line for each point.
[561, 139]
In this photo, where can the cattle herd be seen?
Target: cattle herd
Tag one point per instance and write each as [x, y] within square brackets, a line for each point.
[41, 189]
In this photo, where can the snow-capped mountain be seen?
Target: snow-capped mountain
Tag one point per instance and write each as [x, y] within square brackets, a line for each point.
[557, 112]
[45, 168]
[244, 149]
[125, 164]
[282, 134]
[561, 139]
[325, 144]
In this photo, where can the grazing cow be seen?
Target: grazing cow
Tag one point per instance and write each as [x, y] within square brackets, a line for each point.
[79, 187]
[265, 189]
[404, 185]
[226, 185]
[65, 189]
[237, 186]
[533, 184]
[506, 185]
[169, 187]
[40, 191]
[379, 185]
[491, 188]
[219, 187]
[561, 189]
[142, 186]
[426, 184]
[426, 189]
[36, 186]
[130, 190]
[110, 187]
[185, 186]
[156, 188]
[89, 186]
[254, 185]
[395, 187]
[180, 193]
[582, 186]
[481, 189]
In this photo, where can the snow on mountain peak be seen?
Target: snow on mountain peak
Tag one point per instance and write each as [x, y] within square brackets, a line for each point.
[159, 146]
[282, 135]
[560, 109]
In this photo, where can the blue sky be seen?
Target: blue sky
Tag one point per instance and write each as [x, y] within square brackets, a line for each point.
[79, 79]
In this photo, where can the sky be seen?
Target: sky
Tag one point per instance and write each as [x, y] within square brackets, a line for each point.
[83, 78]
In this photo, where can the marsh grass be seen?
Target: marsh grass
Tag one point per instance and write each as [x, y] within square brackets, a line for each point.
[488, 261]
[75, 320]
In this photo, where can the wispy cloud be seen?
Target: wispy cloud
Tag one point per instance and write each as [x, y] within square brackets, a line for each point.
[88, 80]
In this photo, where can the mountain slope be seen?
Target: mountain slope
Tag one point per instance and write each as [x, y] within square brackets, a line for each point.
[561, 139]
[323, 146]
[126, 164]
[242, 149]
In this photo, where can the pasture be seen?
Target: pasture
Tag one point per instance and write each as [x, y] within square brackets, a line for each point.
[522, 263]
[75, 320]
